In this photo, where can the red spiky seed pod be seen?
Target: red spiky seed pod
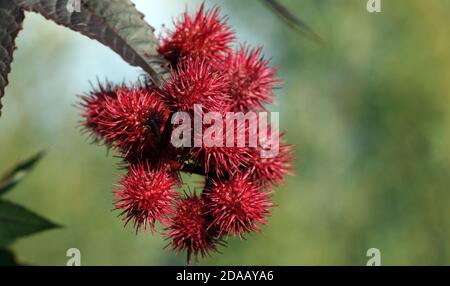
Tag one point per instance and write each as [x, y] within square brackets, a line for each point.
[92, 105]
[251, 79]
[189, 228]
[271, 169]
[220, 160]
[195, 82]
[146, 196]
[238, 205]
[205, 35]
[128, 119]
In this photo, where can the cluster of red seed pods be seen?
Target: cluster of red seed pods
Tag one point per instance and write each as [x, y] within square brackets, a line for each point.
[136, 122]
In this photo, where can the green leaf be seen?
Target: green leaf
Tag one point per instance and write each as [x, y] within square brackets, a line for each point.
[17, 222]
[115, 23]
[7, 258]
[16, 174]
[292, 20]
[11, 18]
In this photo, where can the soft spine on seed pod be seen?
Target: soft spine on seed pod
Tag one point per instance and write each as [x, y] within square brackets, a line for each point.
[136, 123]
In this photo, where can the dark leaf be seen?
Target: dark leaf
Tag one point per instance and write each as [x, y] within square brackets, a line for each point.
[16, 174]
[7, 258]
[17, 222]
[292, 20]
[115, 23]
[11, 18]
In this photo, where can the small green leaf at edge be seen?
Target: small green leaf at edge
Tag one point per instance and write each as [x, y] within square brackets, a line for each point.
[17, 222]
[16, 174]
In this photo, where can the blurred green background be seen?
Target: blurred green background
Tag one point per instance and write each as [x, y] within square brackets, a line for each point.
[369, 113]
